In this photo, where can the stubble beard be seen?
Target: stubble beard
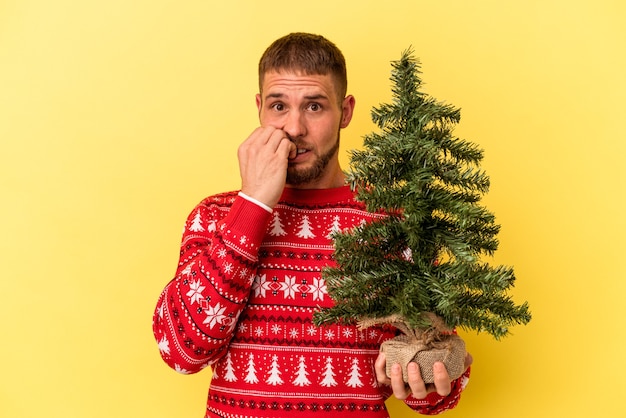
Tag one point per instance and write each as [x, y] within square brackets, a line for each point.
[301, 176]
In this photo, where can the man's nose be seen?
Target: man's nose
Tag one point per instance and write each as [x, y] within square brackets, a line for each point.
[294, 124]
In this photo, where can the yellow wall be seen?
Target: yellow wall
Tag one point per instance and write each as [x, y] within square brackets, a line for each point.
[116, 117]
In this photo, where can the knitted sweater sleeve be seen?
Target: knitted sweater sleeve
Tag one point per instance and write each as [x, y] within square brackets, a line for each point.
[434, 403]
[197, 312]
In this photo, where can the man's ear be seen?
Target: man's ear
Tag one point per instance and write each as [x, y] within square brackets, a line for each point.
[259, 102]
[347, 110]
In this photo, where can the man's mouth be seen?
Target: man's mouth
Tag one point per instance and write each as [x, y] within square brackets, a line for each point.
[299, 152]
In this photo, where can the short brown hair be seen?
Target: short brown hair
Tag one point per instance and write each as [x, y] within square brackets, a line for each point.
[307, 53]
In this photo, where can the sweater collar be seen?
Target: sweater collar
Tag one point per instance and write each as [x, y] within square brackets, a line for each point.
[317, 196]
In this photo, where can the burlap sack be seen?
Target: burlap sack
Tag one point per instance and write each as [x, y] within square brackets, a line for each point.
[450, 351]
[425, 347]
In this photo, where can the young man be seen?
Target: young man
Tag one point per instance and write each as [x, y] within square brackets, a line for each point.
[249, 276]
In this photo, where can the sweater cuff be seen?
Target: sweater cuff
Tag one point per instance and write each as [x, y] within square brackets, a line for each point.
[245, 226]
[434, 403]
[253, 200]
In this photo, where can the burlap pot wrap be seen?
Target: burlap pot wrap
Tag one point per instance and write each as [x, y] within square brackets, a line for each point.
[403, 350]
[425, 347]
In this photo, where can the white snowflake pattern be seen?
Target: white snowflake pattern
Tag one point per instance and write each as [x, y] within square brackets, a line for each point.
[243, 328]
[258, 331]
[180, 370]
[164, 345]
[228, 268]
[221, 253]
[214, 315]
[319, 288]
[373, 334]
[311, 330]
[294, 333]
[259, 285]
[276, 329]
[232, 323]
[251, 278]
[347, 333]
[195, 292]
[243, 240]
[243, 273]
[329, 334]
[289, 287]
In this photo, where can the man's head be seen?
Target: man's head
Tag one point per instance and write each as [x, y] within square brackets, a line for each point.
[306, 54]
[302, 84]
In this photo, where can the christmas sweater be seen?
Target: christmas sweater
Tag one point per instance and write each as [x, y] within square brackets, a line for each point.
[242, 300]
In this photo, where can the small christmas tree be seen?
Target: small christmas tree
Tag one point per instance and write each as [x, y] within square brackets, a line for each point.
[421, 268]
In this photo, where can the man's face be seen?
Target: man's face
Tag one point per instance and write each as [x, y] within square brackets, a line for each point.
[307, 109]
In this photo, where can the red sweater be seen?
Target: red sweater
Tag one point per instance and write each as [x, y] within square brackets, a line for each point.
[247, 284]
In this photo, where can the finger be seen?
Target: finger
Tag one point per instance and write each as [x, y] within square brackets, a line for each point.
[442, 379]
[260, 135]
[263, 139]
[287, 148]
[416, 383]
[293, 151]
[397, 383]
[380, 369]
[275, 136]
[280, 143]
[256, 141]
[265, 143]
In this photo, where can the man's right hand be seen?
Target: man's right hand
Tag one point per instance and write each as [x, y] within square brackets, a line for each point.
[263, 160]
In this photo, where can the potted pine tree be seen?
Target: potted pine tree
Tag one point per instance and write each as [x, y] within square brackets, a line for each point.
[422, 268]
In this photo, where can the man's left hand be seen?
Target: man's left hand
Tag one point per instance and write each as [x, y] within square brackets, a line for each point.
[416, 386]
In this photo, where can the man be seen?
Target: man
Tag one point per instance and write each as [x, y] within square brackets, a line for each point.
[249, 276]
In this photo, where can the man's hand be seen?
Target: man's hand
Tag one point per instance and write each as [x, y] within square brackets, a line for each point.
[263, 159]
[416, 386]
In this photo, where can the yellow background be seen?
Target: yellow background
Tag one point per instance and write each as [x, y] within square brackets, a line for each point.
[117, 117]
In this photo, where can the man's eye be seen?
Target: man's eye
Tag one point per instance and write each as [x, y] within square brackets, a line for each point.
[315, 107]
[278, 107]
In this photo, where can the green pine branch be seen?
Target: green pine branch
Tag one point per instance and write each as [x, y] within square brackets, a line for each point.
[426, 256]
